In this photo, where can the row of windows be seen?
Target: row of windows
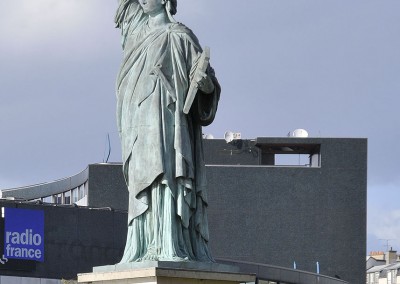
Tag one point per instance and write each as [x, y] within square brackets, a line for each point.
[391, 277]
[68, 197]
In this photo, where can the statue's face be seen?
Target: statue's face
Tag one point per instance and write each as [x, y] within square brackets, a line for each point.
[152, 6]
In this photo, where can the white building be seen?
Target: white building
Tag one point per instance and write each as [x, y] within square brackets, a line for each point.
[383, 268]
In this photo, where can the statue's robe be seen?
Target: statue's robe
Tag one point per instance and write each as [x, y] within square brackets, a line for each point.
[161, 146]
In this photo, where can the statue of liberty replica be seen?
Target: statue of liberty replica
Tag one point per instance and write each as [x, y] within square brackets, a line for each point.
[166, 92]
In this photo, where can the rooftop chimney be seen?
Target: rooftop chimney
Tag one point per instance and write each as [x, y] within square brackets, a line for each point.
[391, 256]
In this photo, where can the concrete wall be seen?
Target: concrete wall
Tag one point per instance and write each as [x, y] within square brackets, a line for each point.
[76, 239]
[238, 152]
[278, 215]
[25, 280]
[266, 214]
[107, 187]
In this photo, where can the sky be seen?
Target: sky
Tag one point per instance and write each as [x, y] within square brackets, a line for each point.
[331, 67]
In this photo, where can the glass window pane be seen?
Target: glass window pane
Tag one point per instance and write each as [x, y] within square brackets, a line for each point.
[47, 199]
[74, 195]
[67, 197]
[57, 198]
[81, 192]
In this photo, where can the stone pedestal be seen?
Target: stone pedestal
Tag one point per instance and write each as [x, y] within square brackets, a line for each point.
[164, 273]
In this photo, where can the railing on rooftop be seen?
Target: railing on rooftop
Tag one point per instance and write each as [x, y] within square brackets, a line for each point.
[270, 274]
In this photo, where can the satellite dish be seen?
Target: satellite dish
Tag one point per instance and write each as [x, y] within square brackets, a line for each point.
[208, 136]
[299, 133]
[228, 136]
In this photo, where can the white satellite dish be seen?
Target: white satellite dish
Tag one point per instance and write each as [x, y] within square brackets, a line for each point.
[299, 133]
[208, 136]
[230, 136]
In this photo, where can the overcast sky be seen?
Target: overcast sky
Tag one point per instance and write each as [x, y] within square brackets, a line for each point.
[331, 67]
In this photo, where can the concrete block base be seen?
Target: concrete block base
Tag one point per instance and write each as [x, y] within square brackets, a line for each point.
[158, 275]
[182, 265]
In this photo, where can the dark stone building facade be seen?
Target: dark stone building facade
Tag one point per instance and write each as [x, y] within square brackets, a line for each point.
[261, 210]
[298, 213]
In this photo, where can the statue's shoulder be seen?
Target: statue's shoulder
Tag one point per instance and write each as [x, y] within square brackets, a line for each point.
[180, 28]
[184, 32]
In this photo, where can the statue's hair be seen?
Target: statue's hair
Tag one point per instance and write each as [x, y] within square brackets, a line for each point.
[173, 5]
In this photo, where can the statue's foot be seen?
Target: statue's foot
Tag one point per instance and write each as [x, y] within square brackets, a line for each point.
[152, 257]
[148, 257]
[175, 258]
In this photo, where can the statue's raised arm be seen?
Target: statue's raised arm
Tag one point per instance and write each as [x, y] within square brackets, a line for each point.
[128, 18]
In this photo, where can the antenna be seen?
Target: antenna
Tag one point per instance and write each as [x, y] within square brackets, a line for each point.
[387, 243]
[109, 149]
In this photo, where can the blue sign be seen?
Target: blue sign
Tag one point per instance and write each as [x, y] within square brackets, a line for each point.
[24, 234]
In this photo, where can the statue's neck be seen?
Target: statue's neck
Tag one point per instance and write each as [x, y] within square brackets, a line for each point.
[158, 20]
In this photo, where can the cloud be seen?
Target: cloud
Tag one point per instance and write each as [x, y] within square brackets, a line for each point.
[189, 8]
[32, 20]
[47, 27]
[383, 216]
[6, 183]
[384, 225]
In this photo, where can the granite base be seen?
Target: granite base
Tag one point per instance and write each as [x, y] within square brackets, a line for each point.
[161, 272]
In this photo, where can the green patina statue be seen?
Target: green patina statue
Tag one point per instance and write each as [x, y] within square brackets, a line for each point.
[161, 145]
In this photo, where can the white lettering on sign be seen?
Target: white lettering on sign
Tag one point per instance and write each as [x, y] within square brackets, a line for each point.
[25, 238]
[24, 234]
[28, 238]
[23, 252]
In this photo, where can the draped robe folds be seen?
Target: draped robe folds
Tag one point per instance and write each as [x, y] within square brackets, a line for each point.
[161, 146]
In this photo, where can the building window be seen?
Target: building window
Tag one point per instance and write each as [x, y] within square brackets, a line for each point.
[371, 278]
[288, 154]
[57, 198]
[67, 197]
[81, 192]
[301, 160]
[47, 199]
[74, 193]
[376, 281]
